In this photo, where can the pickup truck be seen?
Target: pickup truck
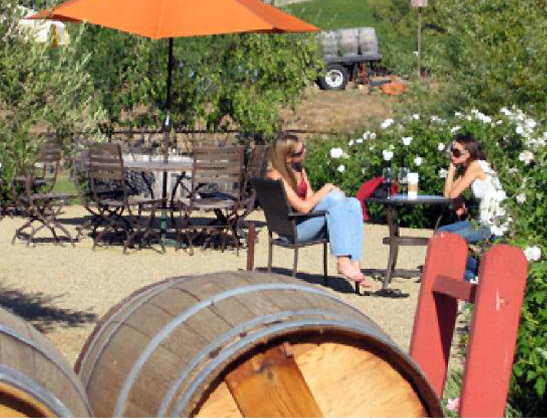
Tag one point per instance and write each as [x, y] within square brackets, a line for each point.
[344, 52]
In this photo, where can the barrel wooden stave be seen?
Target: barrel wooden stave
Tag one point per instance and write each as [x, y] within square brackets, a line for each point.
[107, 362]
[36, 380]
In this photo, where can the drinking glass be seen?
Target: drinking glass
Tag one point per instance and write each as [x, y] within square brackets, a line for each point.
[387, 174]
[403, 179]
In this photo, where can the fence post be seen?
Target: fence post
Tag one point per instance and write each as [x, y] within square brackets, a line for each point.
[489, 361]
[498, 301]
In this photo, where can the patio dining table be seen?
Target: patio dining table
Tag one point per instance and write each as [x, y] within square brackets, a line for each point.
[395, 240]
[178, 164]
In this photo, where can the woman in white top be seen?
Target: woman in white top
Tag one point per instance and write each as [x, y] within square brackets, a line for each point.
[469, 168]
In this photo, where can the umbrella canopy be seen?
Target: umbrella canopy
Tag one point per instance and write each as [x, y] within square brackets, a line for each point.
[158, 19]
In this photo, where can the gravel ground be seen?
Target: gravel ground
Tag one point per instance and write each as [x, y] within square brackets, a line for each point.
[64, 290]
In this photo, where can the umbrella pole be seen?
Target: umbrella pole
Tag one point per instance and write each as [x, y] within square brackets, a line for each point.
[167, 123]
[166, 132]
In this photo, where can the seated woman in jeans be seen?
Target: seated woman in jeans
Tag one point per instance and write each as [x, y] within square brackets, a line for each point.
[469, 168]
[344, 220]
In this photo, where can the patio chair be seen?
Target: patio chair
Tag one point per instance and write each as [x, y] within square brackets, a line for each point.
[215, 186]
[282, 220]
[37, 201]
[115, 206]
[255, 168]
[80, 176]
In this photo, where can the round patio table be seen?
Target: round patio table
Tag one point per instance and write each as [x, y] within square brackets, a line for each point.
[395, 240]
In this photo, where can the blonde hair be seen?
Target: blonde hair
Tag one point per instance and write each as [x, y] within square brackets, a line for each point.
[283, 148]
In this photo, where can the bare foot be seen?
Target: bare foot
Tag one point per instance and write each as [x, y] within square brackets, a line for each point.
[364, 281]
[348, 270]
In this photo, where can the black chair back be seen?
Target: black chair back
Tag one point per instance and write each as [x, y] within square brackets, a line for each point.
[273, 201]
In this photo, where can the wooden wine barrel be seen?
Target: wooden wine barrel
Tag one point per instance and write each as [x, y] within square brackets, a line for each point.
[246, 344]
[35, 380]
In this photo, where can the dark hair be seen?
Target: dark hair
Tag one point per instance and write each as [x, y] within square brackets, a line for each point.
[471, 144]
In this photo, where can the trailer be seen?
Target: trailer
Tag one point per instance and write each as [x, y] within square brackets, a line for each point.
[346, 53]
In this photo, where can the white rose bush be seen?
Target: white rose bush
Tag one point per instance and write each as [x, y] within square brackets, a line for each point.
[515, 145]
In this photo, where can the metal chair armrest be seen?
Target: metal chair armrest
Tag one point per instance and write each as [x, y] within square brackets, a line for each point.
[296, 215]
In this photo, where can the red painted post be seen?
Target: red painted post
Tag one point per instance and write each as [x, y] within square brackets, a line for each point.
[502, 281]
[436, 313]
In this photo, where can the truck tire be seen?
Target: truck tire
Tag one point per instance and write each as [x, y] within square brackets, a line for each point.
[336, 77]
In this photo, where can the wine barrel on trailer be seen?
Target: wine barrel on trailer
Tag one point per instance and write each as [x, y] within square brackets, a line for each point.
[246, 344]
[35, 380]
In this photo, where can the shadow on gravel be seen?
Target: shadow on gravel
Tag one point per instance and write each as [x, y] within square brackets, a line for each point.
[40, 310]
[335, 283]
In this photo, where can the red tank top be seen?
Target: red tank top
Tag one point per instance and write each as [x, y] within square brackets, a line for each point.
[302, 189]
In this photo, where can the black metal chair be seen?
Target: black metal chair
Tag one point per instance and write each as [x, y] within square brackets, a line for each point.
[282, 221]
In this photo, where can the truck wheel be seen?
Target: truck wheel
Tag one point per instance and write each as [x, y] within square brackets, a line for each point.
[336, 77]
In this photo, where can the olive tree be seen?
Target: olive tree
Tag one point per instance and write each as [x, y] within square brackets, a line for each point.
[41, 88]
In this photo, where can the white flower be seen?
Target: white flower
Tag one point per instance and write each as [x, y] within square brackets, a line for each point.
[336, 153]
[499, 122]
[519, 130]
[416, 117]
[455, 129]
[372, 135]
[345, 155]
[521, 198]
[443, 172]
[418, 161]
[532, 253]
[513, 170]
[371, 148]
[453, 404]
[530, 124]
[500, 195]
[458, 114]
[407, 140]
[441, 146]
[351, 142]
[387, 123]
[366, 135]
[388, 155]
[505, 111]
[435, 118]
[526, 157]
[359, 141]
[341, 168]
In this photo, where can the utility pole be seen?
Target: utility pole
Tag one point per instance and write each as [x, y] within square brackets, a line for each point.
[419, 4]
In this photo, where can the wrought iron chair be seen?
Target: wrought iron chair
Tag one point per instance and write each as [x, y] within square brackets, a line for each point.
[282, 221]
[115, 206]
[215, 186]
[37, 202]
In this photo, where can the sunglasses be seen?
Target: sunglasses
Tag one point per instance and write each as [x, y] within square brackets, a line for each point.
[299, 153]
[457, 152]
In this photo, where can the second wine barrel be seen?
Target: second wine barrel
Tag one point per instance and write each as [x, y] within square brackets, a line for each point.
[35, 380]
[247, 344]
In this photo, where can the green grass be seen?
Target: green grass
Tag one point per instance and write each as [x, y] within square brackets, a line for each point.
[334, 14]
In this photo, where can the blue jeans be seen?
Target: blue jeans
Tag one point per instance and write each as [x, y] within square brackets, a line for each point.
[343, 225]
[472, 235]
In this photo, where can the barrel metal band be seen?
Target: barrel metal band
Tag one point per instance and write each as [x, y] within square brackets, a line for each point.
[26, 384]
[69, 375]
[123, 315]
[180, 319]
[239, 348]
[244, 328]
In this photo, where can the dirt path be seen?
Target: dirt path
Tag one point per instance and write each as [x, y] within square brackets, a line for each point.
[346, 110]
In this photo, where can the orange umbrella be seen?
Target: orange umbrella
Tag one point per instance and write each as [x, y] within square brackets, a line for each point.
[158, 19]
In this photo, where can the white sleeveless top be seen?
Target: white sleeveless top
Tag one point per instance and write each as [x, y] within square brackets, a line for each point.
[490, 193]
